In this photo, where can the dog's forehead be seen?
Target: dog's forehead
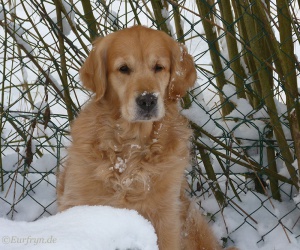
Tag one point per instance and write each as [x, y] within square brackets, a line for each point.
[140, 42]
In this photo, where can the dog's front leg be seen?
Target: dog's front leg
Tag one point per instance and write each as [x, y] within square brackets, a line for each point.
[168, 230]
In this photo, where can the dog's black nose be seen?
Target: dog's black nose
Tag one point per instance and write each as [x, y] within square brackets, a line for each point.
[146, 101]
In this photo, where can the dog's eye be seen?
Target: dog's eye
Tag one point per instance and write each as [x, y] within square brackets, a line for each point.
[124, 69]
[158, 68]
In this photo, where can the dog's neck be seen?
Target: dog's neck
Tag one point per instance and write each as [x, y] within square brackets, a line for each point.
[144, 132]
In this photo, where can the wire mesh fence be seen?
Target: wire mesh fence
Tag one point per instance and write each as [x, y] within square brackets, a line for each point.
[244, 108]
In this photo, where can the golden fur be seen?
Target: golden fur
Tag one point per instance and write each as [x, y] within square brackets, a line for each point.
[128, 150]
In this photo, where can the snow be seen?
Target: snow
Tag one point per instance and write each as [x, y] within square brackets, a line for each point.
[113, 19]
[19, 31]
[242, 106]
[120, 165]
[165, 14]
[85, 227]
[200, 116]
[66, 25]
[53, 80]
[261, 223]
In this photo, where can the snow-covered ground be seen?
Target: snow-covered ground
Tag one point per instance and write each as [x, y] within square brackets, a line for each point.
[80, 228]
[255, 222]
[107, 228]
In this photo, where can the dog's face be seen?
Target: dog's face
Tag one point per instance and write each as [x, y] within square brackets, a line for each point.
[138, 69]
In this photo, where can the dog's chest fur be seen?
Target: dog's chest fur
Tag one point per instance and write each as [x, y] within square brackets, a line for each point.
[133, 158]
[136, 164]
[126, 163]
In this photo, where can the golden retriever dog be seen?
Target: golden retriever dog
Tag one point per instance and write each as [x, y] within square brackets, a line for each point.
[130, 144]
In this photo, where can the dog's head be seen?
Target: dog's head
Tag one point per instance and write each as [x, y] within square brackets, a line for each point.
[137, 69]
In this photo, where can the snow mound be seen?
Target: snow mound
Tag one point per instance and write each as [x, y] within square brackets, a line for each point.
[84, 227]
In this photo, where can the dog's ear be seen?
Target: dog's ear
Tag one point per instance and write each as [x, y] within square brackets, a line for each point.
[183, 72]
[93, 71]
